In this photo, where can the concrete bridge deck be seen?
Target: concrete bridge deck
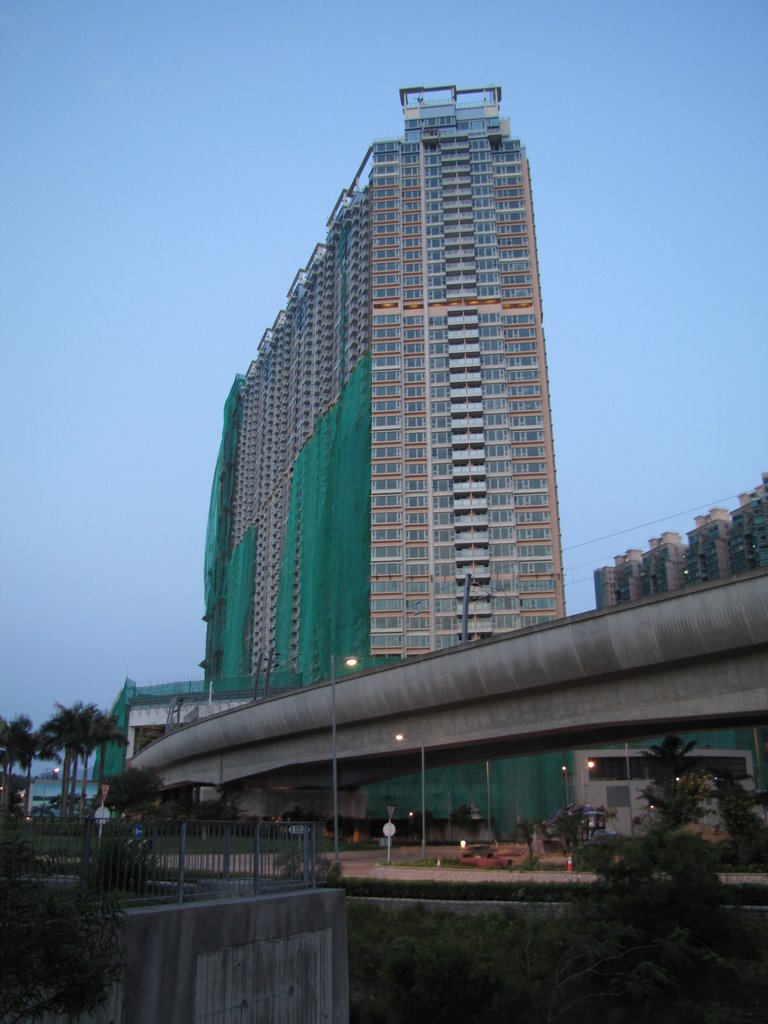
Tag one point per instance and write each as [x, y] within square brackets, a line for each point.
[693, 660]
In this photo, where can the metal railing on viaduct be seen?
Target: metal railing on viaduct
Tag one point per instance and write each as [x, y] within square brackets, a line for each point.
[693, 660]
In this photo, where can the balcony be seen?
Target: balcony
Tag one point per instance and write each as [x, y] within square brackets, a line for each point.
[469, 454]
[463, 391]
[472, 469]
[477, 608]
[478, 554]
[469, 486]
[471, 521]
[469, 538]
[463, 504]
[464, 424]
[461, 384]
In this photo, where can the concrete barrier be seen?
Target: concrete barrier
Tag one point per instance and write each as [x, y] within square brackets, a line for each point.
[265, 959]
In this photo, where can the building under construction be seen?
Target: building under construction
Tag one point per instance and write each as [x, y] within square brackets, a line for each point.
[386, 480]
[385, 484]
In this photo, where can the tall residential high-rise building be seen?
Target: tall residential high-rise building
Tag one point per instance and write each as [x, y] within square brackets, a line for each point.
[386, 481]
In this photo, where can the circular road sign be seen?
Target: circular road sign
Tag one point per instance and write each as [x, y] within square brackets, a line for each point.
[389, 829]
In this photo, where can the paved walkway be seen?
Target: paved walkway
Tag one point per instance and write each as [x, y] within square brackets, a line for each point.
[373, 864]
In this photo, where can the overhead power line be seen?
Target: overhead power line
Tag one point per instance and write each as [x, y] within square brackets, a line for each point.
[653, 522]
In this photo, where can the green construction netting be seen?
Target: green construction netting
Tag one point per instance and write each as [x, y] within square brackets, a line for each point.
[327, 538]
[238, 621]
[218, 535]
[114, 753]
[523, 787]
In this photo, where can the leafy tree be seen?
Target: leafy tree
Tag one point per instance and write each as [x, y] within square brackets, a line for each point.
[462, 817]
[679, 801]
[652, 945]
[59, 946]
[661, 881]
[135, 791]
[664, 891]
[739, 815]
[226, 807]
[679, 788]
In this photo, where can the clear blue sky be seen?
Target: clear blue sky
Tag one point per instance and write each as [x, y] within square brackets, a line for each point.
[167, 167]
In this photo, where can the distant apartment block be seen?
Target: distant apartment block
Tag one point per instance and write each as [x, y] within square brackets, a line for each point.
[721, 544]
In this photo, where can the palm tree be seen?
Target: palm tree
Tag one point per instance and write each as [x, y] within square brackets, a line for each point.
[678, 787]
[78, 730]
[64, 731]
[18, 743]
[107, 730]
[669, 759]
[5, 793]
[28, 750]
[99, 728]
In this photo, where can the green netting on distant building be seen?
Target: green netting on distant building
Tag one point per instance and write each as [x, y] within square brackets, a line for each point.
[114, 753]
[218, 536]
[238, 620]
[523, 787]
[323, 598]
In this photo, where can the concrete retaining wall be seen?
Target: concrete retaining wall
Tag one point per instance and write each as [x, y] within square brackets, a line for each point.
[265, 960]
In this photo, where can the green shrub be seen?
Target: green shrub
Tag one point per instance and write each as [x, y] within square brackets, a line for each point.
[525, 892]
[59, 944]
[123, 865]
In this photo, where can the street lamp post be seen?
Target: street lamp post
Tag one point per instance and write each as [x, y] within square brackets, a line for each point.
[350, 662]
[565, 786]
[629, 790]
[400, 737]
[585, 778]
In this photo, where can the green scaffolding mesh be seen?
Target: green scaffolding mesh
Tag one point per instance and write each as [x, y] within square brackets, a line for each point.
[524, 787]
[114, 753]
[238, 620]
[323, 598]
[218, 537]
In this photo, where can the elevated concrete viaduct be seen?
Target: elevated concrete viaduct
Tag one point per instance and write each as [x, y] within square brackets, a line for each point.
[692, 660]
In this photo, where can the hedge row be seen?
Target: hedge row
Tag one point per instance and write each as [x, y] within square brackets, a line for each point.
[748, 895]
[528, 892]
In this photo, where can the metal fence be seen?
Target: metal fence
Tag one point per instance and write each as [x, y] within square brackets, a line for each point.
[173, 862]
